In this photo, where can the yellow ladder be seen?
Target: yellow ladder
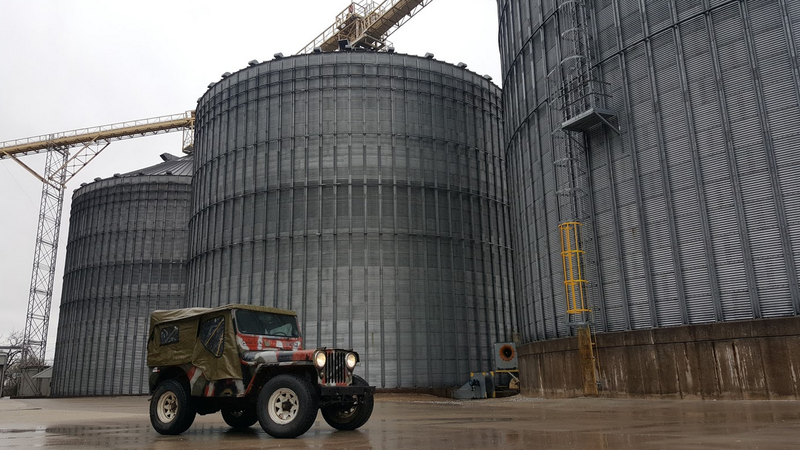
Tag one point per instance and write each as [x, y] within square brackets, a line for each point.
[572, 262]
[575, 291]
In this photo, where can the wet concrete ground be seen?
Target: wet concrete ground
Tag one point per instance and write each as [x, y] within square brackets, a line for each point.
[424, 422]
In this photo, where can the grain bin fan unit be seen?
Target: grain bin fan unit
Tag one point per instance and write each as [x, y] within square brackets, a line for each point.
[505, 356]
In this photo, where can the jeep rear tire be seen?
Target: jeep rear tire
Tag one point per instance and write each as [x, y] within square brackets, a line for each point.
[171, 409]
[240, 418]
[287, 406]
[351, 416]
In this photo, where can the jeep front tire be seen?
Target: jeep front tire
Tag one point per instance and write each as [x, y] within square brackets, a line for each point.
[171, 409]
[287, 406]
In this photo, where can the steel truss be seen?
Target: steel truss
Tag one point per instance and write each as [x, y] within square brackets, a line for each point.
[366, 24]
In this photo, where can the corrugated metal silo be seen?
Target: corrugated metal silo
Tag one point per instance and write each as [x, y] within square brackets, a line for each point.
[126, 256]
[366, 191]
[693, 209]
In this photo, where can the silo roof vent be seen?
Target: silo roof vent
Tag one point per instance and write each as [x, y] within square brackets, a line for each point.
[169, 157]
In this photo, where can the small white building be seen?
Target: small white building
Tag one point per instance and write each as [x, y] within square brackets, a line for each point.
[40, 376]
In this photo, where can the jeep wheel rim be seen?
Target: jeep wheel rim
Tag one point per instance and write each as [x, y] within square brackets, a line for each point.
[283, 406]
[345, 413]
[167, 407]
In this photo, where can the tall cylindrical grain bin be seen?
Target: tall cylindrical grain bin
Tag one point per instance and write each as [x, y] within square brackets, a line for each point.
[367, 192]
[694, 214]
[126, 255]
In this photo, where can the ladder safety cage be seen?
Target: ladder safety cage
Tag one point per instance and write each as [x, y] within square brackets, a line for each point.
[572, 264]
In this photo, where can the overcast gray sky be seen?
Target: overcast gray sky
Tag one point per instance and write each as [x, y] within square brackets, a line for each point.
[70, 64]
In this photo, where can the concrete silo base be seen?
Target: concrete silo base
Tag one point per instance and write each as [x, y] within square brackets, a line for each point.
[755, 359]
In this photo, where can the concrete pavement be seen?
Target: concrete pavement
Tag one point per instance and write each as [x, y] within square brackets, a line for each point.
[425, 422]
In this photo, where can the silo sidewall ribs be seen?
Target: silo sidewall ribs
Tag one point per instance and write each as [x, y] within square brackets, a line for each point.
[366, 191]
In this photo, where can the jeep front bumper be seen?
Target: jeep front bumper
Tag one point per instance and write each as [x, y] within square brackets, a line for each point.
[333, 395]
[335, 391]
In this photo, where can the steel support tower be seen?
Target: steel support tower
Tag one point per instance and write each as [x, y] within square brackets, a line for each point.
[43, 274]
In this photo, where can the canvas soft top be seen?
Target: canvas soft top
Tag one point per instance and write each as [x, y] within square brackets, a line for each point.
[184, 347]
[170, 315]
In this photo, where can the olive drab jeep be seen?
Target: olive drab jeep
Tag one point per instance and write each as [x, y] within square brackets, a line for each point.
[248, 362]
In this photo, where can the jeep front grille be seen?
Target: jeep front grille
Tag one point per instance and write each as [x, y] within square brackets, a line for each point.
[335, 369]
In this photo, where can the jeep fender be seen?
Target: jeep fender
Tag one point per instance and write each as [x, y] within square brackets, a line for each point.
[264, 372]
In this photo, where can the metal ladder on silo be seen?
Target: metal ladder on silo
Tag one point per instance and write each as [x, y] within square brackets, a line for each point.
[577, 103]
[575, 291]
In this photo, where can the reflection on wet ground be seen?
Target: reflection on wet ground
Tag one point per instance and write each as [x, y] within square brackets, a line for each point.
[410, 421]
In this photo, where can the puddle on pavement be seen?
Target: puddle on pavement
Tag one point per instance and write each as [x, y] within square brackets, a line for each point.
[480, 425]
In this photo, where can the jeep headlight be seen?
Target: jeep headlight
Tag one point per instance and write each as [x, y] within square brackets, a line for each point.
[350, 360]
[320, 359]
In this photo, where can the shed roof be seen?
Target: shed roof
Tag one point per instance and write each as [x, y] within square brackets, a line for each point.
[46, 373]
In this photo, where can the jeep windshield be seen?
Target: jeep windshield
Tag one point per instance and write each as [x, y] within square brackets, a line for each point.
[266, 324]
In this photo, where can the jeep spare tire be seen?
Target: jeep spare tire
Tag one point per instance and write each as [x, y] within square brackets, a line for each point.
[171, 408]
[353, 415]
[287, 406]
[240, 418]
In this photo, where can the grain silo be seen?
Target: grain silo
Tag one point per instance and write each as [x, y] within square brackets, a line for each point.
[690, 210]
[126, 255]
[367, 191]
